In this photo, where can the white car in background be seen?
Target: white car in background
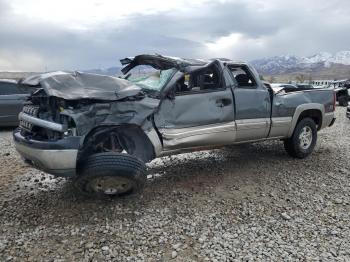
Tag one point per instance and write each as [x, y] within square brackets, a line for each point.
[279, 86]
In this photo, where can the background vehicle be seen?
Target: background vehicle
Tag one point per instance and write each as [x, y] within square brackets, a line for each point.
[12, 99]
[343, 93]
[283, 85]
[292, 87]
[305, 86]
[279, 86]
[101, 130]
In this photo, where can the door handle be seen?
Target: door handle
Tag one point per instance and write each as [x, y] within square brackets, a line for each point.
[223, 102]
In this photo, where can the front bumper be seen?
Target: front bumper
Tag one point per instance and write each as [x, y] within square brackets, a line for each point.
[58, 158]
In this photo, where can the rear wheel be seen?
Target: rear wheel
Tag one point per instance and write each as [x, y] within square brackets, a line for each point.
[303, 140]
[111, 174]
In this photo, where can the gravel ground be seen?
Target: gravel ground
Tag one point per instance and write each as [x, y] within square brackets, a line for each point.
[249, 202]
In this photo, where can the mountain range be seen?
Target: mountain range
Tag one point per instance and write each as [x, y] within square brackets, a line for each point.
[322, 65]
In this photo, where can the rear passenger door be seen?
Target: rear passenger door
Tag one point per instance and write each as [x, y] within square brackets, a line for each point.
[12, 100]
[200, 112]
[252, 101]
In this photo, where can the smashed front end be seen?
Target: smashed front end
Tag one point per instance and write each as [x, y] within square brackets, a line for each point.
[66, 107]
[73, 115]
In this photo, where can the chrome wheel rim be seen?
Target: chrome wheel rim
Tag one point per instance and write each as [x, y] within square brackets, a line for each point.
[305, 137]
[111, 185]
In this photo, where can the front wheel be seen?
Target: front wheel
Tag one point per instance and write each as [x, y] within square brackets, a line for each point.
[303, 140]
[111, 174]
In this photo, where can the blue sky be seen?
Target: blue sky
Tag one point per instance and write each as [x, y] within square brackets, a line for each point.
[63, 34]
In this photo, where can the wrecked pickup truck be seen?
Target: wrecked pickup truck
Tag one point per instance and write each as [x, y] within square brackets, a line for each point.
[101, 130]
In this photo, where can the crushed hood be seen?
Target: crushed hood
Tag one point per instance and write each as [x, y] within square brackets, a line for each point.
[78, 85]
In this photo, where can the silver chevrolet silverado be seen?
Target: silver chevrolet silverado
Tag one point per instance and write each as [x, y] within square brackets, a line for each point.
[101, 130]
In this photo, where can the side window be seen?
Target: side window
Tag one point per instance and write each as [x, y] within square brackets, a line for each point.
[204, 80]
[9, 89]
[242, 76]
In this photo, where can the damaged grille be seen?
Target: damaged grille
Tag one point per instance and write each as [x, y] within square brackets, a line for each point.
[32, 111]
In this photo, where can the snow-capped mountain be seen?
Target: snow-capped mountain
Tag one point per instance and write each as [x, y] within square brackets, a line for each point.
[323, 63]
[276, 64]
[342, 57]
[317, 58]
[291, 63]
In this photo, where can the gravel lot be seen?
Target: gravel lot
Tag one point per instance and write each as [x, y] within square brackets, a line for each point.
[249, 202]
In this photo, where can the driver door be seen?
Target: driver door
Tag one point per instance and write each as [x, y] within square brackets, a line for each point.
[201, 113]
[253, 106]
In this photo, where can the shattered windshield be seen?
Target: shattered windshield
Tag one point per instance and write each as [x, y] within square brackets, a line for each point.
[150, 78]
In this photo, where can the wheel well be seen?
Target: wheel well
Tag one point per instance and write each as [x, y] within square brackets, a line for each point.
[130, 138]
[315, 114]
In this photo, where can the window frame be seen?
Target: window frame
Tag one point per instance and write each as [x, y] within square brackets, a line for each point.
[223, 86]
[246, 69]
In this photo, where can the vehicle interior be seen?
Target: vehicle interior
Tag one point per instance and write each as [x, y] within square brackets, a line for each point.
[242, 76]
[202, 80]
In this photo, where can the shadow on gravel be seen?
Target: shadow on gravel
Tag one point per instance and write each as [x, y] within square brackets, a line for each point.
[189, 174]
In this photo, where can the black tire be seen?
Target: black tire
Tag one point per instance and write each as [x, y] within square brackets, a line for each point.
[343, 101]
[111, 174]
[295, 146]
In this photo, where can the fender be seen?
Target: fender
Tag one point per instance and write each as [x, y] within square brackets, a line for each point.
[300, 109]
[145, 145]
[155, 140]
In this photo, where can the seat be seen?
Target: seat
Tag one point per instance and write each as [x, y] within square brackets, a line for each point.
[242, 80]
[181, 86]
[206, 82]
